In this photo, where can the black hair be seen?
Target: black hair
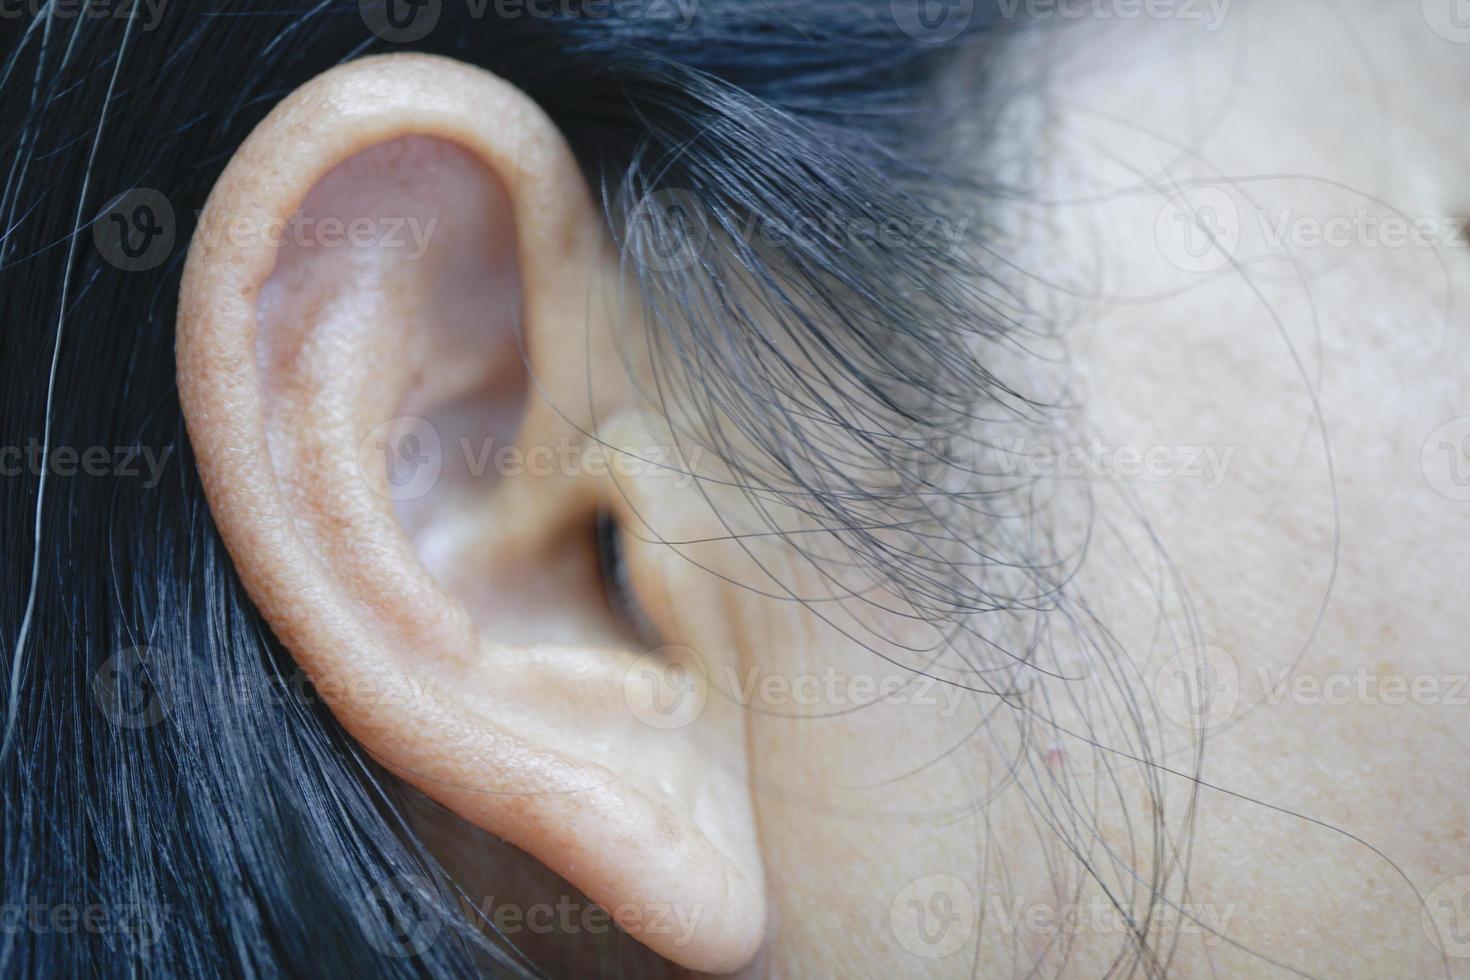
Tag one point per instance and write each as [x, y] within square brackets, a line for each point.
[802, 192]
[163, 770]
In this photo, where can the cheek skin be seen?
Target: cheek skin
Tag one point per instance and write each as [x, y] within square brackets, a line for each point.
[1345, 354]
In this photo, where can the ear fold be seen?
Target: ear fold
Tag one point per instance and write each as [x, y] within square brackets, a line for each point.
[398, 274]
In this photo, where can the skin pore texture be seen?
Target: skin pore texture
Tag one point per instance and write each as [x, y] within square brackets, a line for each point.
[1323, 553]
[1291, 539]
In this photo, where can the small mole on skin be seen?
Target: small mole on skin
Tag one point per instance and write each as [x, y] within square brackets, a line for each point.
[668, 830]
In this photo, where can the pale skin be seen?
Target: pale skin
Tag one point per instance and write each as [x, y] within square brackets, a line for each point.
[796, 838]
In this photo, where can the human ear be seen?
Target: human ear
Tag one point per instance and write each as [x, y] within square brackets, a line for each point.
[402, 242]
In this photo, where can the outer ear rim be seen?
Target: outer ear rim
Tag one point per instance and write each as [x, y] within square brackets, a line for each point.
[368, 102]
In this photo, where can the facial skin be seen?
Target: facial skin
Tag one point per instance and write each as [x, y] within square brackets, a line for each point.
[1315, 550]
[1282, 541]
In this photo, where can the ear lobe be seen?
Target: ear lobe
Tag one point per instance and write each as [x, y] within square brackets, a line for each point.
[397, 239]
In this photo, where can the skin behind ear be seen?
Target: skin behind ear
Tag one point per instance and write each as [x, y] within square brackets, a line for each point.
[408, 236]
